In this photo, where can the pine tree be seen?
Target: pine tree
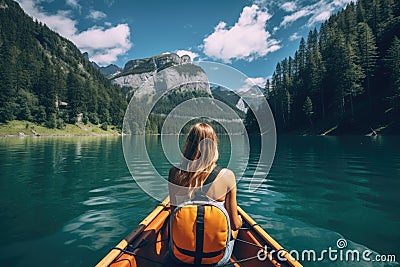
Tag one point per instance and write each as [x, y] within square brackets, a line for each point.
[387, 10]
[46, 88]
[308, 109]
[360, 12]
[295, 65]
[310, 63]
[288, 108]
[302, 58]
[281, 83]
[393, 63]
[315, 69]
[375, 16]
[291, 68]
[352, 77]
[9, 80]
[367, 54]
[267, 89]
[334, 52]
[75, 96]
[276, 84]
[350, 22]
[251, 123]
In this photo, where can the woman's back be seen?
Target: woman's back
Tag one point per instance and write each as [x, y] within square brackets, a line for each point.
[222, 189]
[217, 191]
[198, 178]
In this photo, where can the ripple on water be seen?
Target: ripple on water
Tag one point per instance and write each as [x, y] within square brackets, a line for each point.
[100, 200]
[96, 227]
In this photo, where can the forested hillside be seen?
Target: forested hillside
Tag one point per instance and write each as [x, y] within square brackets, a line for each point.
[347, 74]
[45, 78]
[169, 103]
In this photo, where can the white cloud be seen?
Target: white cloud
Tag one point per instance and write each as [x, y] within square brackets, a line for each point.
[322, 10]
[289, 6]
[259, 81]
[73, 3]
[104, 45]
[340, 3]
[96, 15]
[59, 22]
[318, 12]
[191, 54]
[247, 39]
[295, 16]
[319, 17]
[294, 37]
[251, 82]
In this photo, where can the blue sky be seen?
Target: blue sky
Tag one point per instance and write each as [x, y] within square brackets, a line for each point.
[252, 36]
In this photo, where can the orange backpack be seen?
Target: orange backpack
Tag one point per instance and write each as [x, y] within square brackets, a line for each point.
[200, 229]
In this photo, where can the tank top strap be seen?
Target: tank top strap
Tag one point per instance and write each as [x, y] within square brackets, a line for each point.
[211, 178]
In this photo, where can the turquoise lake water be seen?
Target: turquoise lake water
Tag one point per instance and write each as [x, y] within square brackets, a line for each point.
[66, 201]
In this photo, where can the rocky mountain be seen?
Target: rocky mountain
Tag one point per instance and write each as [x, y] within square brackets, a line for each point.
[241, 105]
[254, 96]
[144, 76]
[253, 91]
[144, 80]
[228, 97]
[110, 70]
[240, 99]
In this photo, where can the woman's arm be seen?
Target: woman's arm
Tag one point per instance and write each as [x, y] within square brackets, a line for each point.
[230, 202]
[171, 188]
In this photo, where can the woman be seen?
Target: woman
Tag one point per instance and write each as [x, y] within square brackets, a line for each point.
[200, 154]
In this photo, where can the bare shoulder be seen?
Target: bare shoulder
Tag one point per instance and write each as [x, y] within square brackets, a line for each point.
[229, 177]
[227, 173]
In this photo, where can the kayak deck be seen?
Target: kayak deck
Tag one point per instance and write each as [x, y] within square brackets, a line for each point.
[147, 245]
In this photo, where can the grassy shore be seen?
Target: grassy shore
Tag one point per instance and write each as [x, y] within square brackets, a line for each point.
[25, 128]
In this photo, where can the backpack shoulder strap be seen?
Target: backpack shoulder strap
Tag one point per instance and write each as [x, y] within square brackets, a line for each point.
[210, 179]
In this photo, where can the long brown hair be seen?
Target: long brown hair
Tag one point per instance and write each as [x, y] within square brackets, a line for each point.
[200, 153]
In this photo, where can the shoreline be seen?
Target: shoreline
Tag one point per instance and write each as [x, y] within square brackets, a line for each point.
[54, 135]
[118, 135]
[23, 129]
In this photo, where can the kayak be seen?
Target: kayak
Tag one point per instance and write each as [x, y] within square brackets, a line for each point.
[147, 245]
